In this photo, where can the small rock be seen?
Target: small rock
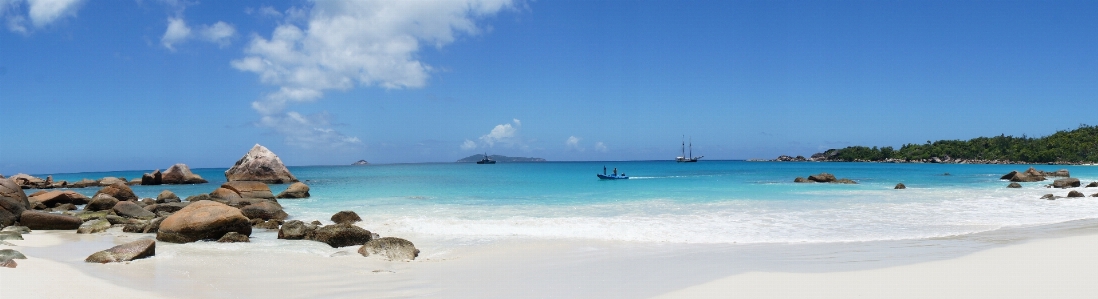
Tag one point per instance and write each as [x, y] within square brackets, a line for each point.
[265, 210]
[1066, 183]
[132, 210]
[134, 228]
[119, 191]
[18, 229]
[153, 226]
[269, 224]
[1074, 193]
[7, 254]
[801, 180]
[340, 235]
[1092, 185]
[1014, 185]
[823, 177]
[393, 249]
[85, 215]
[295, 190]
[900, 186]
[8, 263]
[233, 237]
[10, 236]
[1048, 197]
[101, 202]
[126, 252]
[844, 181]
[200, 197]
[295, 230]
[346, 217]
[94, 226]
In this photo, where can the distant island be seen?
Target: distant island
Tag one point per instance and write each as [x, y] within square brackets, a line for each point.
[498, 158]
[360, 162]
[1063, 147]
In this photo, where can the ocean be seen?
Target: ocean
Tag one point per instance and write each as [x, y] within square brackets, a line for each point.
[709, 202]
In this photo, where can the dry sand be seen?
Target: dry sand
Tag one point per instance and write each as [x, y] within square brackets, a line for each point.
[984, 266]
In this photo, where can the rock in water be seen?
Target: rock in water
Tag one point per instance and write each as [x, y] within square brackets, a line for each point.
[13, 201]
[1092, 185]
[394, 249]
[1014, 185]
[203, 220]
[154, 178]
[361, 162]
[346, 217]
[48, 221]
[900, 186]
[295, 230]
[266, 210]
[233, 237]
[119, 191]
[249, 189]
[101, 202]
[1066, 183]
[823, 177]
[801, 180]
[260, 165]
[126, 252]
[295, 190]
[339, 235]
[1048, 197]
[1074, 193]
[166, 197]
[180, 174]
[55, 198]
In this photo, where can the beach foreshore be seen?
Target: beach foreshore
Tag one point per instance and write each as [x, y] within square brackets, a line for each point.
[1048, 261]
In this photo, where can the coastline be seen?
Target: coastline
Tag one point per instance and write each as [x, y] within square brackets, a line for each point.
[1042, 260]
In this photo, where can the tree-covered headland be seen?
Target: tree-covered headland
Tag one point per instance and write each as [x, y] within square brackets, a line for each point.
[1074, 146]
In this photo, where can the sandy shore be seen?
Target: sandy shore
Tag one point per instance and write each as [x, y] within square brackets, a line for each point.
[1048, 268]
[1055, 262]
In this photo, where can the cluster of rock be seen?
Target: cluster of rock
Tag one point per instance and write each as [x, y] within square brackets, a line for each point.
[1034, 175]
[824, 177]
[344, 233]
[27, 181]
[784, 158]
[830, 156]
[177, 174]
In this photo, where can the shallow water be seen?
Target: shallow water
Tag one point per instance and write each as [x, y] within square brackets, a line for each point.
[709, 202]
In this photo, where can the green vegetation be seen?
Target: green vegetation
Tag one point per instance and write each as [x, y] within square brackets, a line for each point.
[1075, 146]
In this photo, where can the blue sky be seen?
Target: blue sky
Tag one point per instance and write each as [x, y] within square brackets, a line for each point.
[133, 85]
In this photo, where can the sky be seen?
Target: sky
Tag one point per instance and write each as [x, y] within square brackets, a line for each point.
[141, 85]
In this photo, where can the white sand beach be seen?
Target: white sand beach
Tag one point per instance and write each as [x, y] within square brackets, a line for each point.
[1053, 265]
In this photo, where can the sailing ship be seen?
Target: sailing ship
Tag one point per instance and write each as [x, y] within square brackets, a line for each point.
[684, 157]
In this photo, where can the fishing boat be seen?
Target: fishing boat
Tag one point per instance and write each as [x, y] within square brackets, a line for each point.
[615, 176]
[486, 160]
[684, 157]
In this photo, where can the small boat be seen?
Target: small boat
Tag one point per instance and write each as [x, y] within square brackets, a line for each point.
[612, 177]
[486, 160]
[684, 157]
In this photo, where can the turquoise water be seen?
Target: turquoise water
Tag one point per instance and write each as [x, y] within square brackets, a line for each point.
[705, 202]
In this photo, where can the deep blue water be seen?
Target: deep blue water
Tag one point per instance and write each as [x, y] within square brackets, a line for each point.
[704, 202]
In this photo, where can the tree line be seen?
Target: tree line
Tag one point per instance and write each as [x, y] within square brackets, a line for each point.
[1074, 146]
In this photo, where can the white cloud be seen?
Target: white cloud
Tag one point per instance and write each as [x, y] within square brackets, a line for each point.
[269, 12]
[178, 32]
[369, 43]
[308, 131]
[573, 143]
[503, 133]
[468, 145]
[40, 12]
[601, 147]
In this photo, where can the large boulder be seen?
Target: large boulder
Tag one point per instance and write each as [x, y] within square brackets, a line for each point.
[250, 189]
[346, 217]
[393, 249]
[1066, 183]
[180, 174]
[266, 210]
[154, 178]
[339, 235]
[13, 201]
[27, 181]
[46, 221]
[203, 220]
[132, 210]
[167, 196]
[55, 198]
[101, 202]
[126, 252]
[260, 165]
[118, 190]
[84, 183]
[296, 230]
[110, 180]
[295, 190]
[823, 177]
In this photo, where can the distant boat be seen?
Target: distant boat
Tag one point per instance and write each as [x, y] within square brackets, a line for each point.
[684, 157]
[486, 160]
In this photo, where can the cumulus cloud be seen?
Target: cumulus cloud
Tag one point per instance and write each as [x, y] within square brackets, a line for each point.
[344, 44]
[573, 143]
[601, 147]
[178, 32]
[503, 133]
[468, 145]
[40, 12]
